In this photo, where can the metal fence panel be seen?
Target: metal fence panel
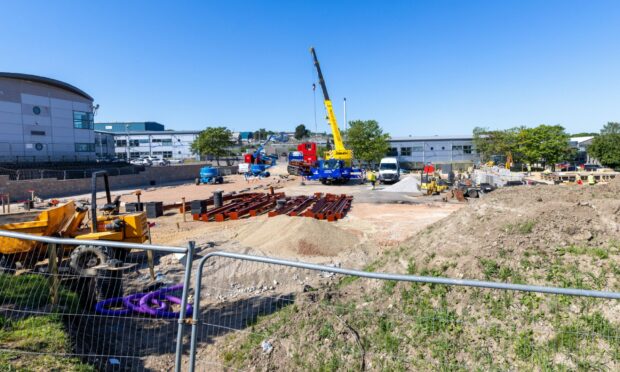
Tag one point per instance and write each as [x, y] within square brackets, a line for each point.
[107, 317]
[261, 313]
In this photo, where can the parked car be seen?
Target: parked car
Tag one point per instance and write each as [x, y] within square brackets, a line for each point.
[160, 162]
[141, 161]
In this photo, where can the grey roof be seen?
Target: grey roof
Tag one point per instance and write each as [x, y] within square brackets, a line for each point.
[48, 81]
[465, 137]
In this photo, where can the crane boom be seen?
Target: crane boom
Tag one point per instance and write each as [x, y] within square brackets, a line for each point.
[339, 152]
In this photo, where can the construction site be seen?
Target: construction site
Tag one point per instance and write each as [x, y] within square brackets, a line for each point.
[125, 246]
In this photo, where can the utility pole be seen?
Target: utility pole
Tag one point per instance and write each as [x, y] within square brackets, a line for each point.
[345, 116]
[127, 144]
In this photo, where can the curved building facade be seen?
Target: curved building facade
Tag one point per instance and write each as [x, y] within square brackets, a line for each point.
[44, 120]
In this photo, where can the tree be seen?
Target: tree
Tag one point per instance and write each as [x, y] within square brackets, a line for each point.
[301, 132]
[606, 146]
[367, 140]
[489, 143]
[546, 144]
[261, 134]
[213, 141]
[584, 134]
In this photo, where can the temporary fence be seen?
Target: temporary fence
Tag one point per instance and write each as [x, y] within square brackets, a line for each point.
[61, 308]
[266, 313]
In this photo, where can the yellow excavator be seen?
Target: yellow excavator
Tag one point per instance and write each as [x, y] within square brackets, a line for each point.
[67, 220]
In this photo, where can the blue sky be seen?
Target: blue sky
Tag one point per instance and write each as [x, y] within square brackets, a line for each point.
[418, 67]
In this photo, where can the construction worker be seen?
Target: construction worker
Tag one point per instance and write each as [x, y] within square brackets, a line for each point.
[591, 180]
[529, 169]
[372, 177]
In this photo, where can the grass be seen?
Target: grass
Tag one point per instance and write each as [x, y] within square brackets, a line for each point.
[596, 252]
[522, 228]
[35, 338]
[32, 336]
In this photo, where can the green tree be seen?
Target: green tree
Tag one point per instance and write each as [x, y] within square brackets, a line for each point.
[213, 141]
[261, 134]
[491, 143]
[301, 132]
[367, 140]
[606, 146]
[546, 144]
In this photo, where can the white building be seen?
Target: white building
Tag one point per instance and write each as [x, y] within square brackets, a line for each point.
[44, 120]
[162, 144]
[433, 149]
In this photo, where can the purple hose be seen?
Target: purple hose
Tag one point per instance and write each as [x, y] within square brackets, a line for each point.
[101, 307]
[142, 303]
[159, 294]
[132, 302]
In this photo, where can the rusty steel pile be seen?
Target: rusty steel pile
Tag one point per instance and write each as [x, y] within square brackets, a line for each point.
[232, 206]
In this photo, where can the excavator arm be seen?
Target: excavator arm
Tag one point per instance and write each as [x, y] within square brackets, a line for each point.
[339, 152]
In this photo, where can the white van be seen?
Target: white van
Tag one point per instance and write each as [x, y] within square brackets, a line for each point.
[389, 170]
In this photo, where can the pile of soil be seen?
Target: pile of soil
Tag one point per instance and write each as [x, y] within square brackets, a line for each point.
[557, 235]
[296, 236]
[512, 223]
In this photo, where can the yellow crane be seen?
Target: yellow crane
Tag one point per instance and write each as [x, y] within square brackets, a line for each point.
[339, 152]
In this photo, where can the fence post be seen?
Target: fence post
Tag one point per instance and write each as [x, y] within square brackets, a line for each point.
[53, 271]
[183, 208]
[189, 257]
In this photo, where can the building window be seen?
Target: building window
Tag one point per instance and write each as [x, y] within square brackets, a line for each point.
[432, 148]
[121, 143]
[405, 151]
[392, 151]
[36, 110]
[417, 149]
[443, 147]
[457, 148]
[163, 141]
[37, 132]
[83, 120]
[467, 149]
[84, 147]
[134, 143]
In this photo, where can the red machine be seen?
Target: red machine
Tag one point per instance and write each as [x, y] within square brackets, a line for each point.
[301, 165]
[309, 151]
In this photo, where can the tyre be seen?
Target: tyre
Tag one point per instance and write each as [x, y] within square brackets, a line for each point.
[85, 257]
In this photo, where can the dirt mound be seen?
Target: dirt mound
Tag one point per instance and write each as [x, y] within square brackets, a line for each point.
[508, 225]
[296, 236]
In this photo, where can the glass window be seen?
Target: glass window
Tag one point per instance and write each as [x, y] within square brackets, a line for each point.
[457, 148]
[37, 132]
[467, 149]
[392, 151]
[143, 141]
[83, 120]
[417, 149]
[405, 151]
[84, 147]
[121, 143]
[134, 143]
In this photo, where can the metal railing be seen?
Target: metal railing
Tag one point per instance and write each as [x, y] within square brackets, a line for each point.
[48, 291]
[378, 331]
[249, 313]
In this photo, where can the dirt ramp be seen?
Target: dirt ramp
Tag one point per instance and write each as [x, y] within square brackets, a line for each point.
[296, 236]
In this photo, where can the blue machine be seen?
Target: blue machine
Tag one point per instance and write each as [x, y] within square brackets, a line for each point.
[333, 171]
[209, 175]
[261, 161]
[295, 156]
